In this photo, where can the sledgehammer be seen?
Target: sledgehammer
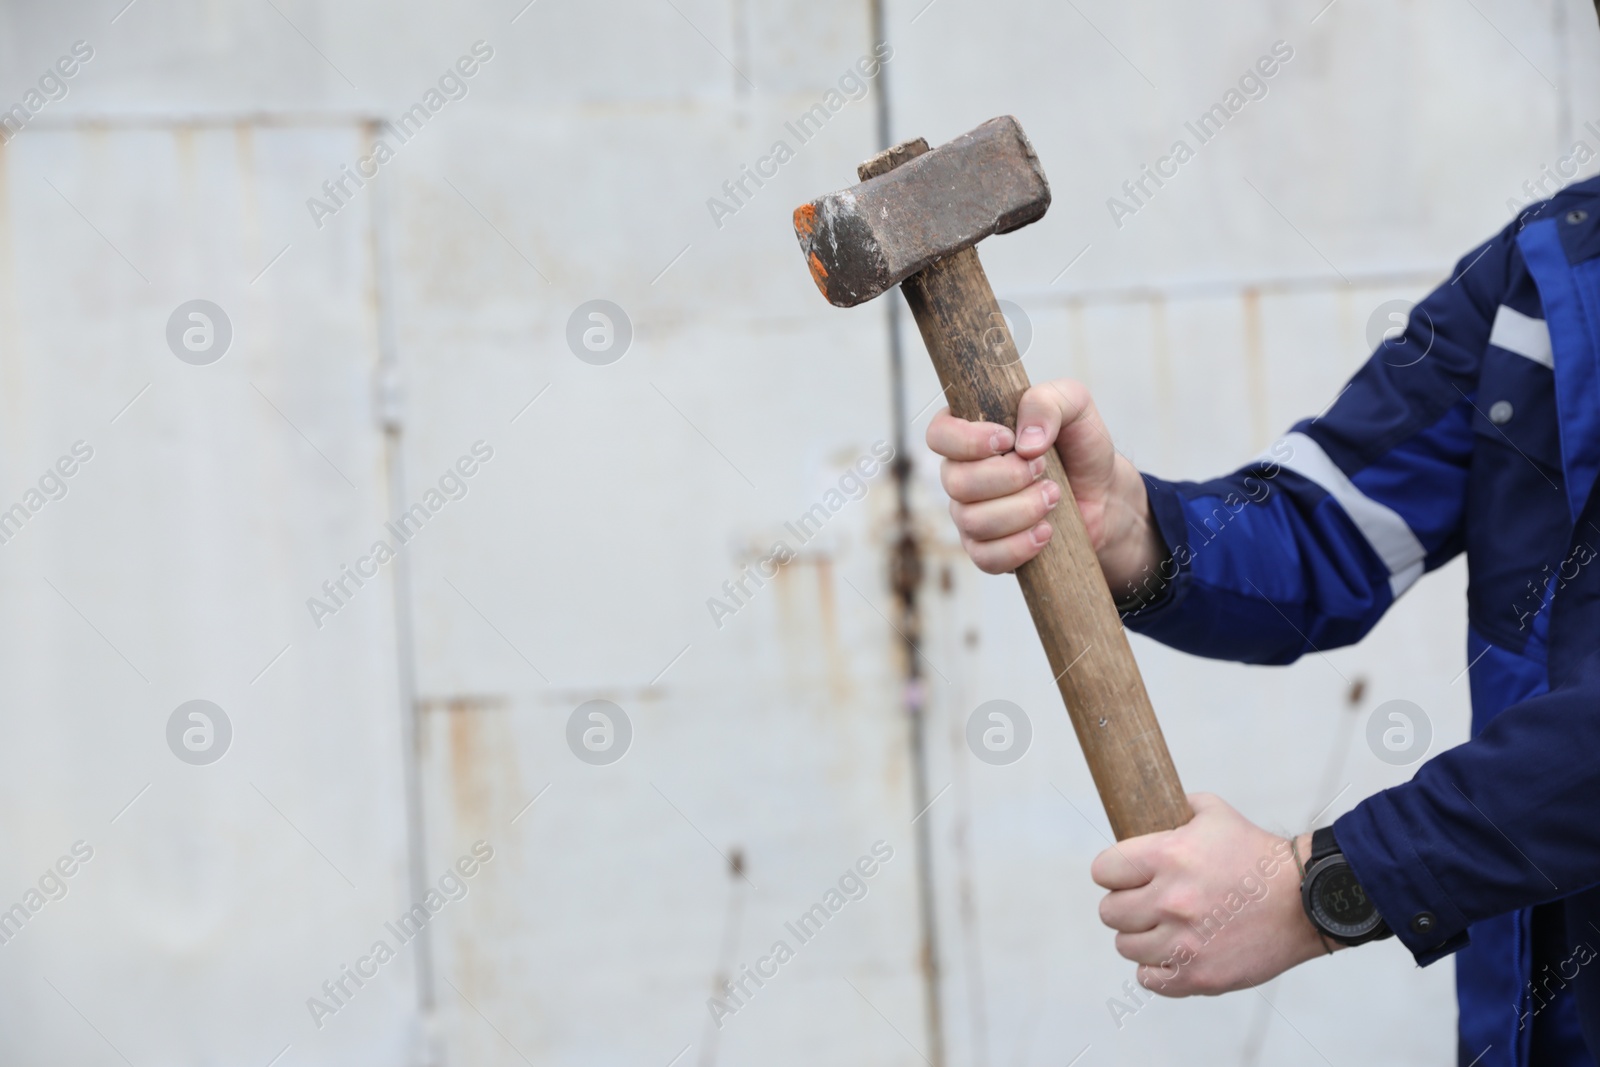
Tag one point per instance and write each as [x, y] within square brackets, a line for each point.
[915, 219]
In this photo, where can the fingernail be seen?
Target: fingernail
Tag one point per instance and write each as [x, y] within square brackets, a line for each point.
[1040, 533]
[1052, 494]
[1032, 436]
[1036, 468]
[1001, 441]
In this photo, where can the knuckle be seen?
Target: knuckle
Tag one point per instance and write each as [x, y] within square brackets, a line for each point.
[989, 561]
[1176, 989]
[1181, 903]
[1071, 389]
[974, 552]
[1163, 850]
[1179, 854]
[1014, 472]
[958, 483]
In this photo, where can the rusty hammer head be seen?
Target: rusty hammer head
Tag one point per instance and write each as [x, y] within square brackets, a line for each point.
[863, 240]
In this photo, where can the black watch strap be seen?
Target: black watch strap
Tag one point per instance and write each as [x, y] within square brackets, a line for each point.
[1323, 844]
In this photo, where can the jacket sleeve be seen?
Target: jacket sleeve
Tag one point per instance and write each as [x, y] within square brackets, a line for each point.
[1305, 548]
[1502, 822]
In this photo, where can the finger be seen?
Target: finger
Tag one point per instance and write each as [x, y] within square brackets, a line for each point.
[989, 519]
[1045, 409]
[1006, 554]
[1205, 802]
[1120, 867]
[955, 438]
[1130, 911]
[986, 479]
[1151, 947]
[1165, 978]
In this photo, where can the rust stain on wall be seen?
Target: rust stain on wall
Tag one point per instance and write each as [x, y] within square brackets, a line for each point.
[1161, 355]
[244, 154]
[839, 679]
[183, 140]
[1081, 364]
[1255, 366]
[808, 630]
[480, 760]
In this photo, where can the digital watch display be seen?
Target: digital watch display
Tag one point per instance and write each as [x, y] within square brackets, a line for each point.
[1333, 898]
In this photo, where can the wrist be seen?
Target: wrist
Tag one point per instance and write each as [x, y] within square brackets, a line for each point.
[1131, 557]
[1325, 946]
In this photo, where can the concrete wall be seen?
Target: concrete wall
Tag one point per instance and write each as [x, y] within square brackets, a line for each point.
[376, 345]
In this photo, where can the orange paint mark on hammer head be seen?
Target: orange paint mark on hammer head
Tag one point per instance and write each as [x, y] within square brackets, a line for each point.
[805, 227]
[805, 220]
[819, 273]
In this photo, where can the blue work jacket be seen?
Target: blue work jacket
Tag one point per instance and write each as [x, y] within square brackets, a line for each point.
[1476, 430]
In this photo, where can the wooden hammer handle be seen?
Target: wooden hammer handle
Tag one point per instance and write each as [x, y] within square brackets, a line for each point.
[982, 373]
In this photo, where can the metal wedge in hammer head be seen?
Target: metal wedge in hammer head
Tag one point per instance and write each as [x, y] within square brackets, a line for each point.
[915, 219]
[863, 240]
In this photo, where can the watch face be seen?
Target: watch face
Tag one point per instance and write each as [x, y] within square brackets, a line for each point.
[1339, 905]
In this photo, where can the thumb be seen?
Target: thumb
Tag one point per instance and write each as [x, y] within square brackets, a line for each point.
[1040, 414]
[1063, 413]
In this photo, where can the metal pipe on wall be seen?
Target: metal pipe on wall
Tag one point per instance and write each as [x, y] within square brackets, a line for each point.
[905, 577]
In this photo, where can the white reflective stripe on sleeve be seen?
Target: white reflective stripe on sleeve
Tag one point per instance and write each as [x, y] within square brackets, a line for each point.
[1526, 336]
[1382, 526]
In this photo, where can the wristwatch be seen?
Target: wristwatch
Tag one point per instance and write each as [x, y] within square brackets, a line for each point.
[1334, 901]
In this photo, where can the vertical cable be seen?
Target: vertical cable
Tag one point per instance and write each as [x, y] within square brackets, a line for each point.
[905, 570]
[389, 414]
